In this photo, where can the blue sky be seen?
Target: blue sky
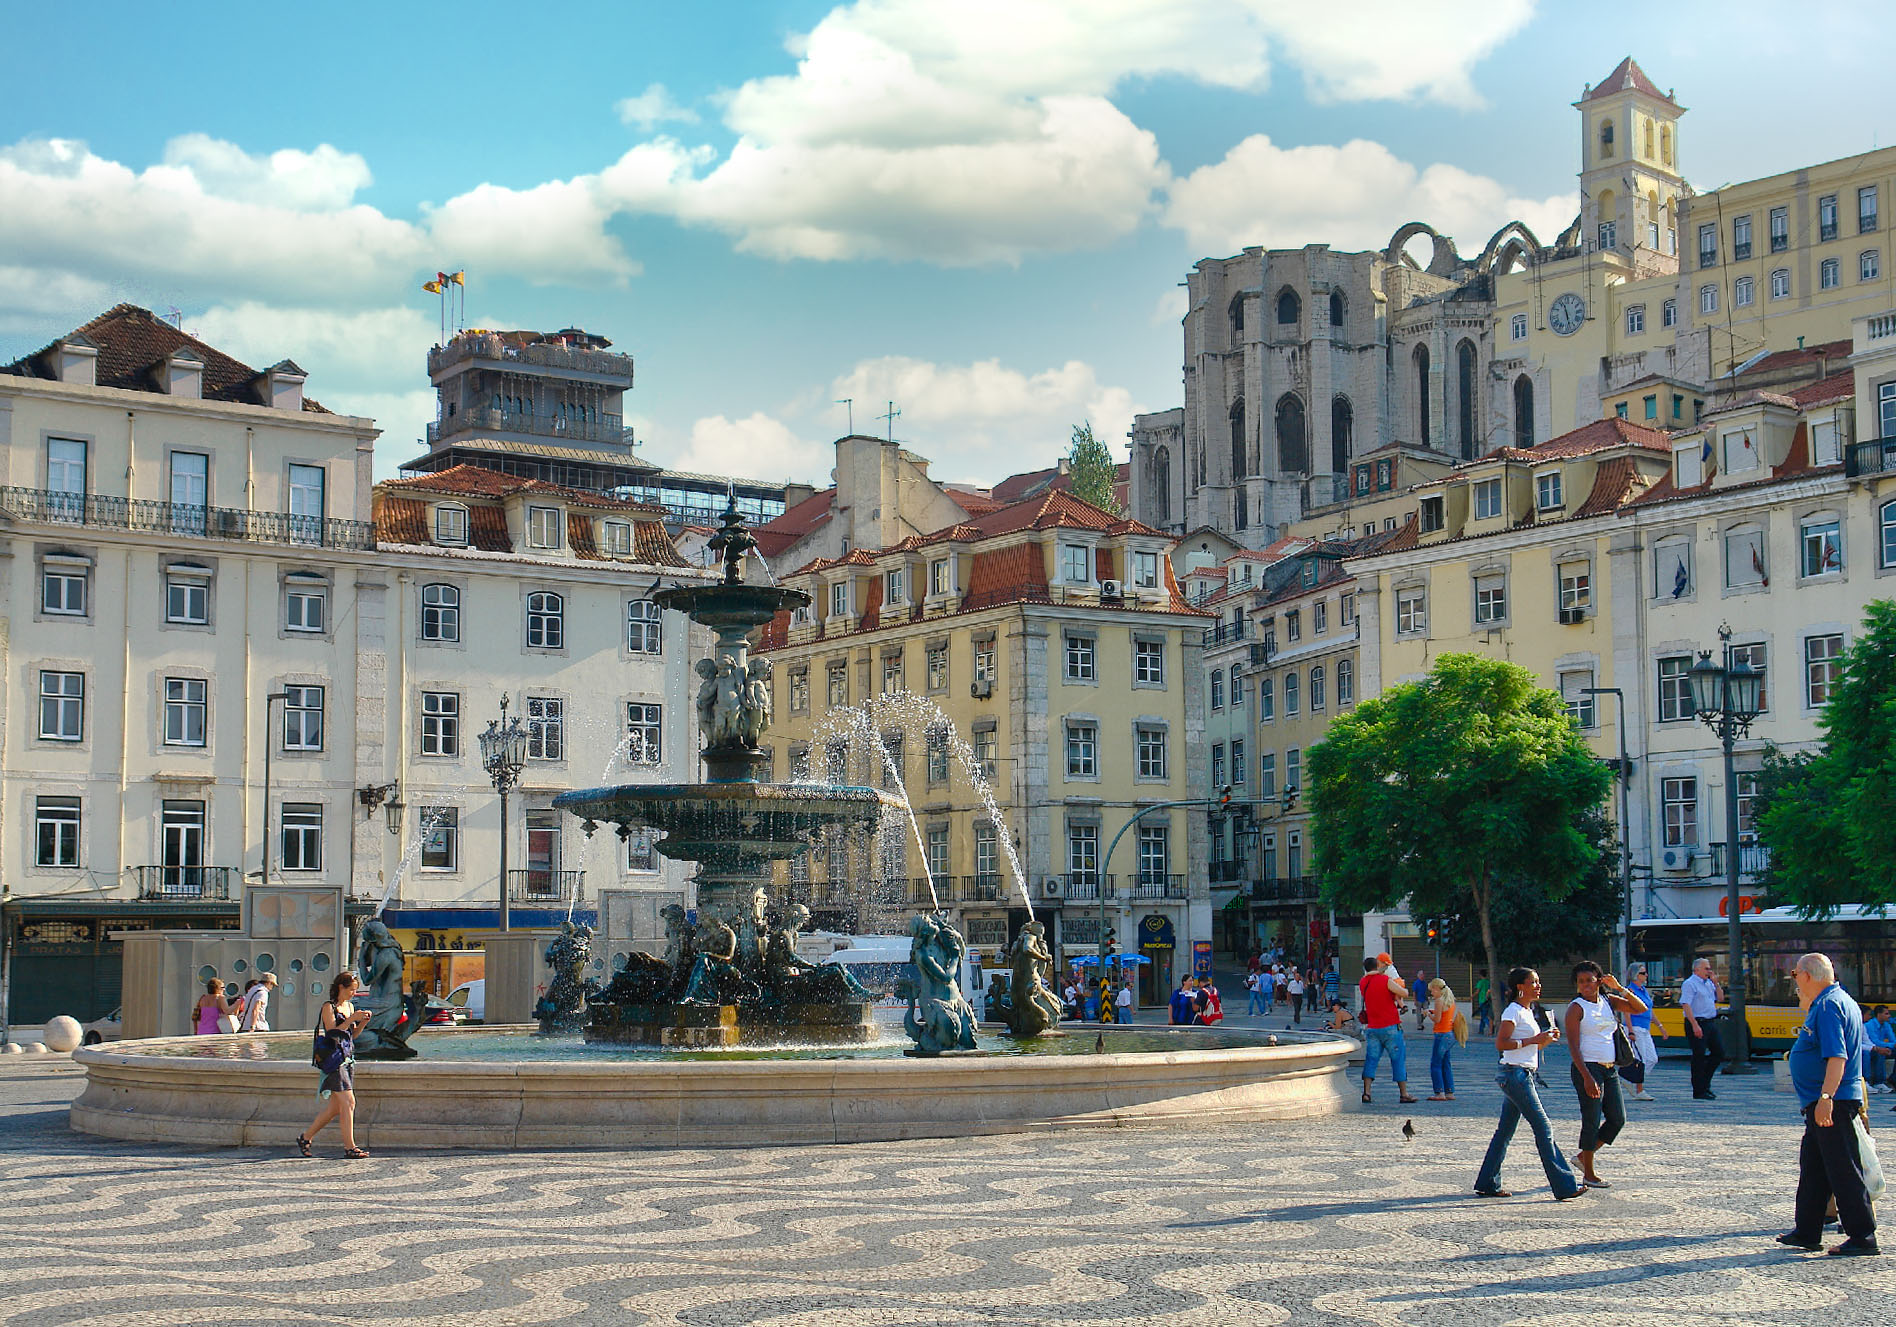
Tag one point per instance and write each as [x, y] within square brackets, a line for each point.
[982, 210]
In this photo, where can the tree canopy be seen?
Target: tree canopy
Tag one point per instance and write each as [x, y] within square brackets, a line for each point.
[1542, 929]
[1095, 477]
[1452, 792]
[1829, 817]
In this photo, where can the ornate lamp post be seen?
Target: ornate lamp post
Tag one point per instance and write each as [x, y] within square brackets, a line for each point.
[1726, 698]
[503, 753]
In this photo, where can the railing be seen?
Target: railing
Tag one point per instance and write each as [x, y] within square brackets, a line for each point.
[184, 882]
[489, 346]
[1881, 326]
[1285, 889]
[535, 885]
[1875, 457]
[1754, 859]
[1225, 631]
[1085, 887]
[256, 527]
[1223, 873]
[1157, 886]
[981, 889]
[607, 428]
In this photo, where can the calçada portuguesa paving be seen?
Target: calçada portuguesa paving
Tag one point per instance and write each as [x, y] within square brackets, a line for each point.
[1320, 1221]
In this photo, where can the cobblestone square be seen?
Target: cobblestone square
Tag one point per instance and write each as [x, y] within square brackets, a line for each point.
[1323, 1221]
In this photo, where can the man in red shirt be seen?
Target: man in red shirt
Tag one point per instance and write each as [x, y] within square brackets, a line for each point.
[1383, 994]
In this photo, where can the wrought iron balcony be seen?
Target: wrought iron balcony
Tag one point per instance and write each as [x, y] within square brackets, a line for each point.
[1225, 631]
[1753, 860]
[1285, 889]
[1084, 886]
[1157, 887]
[1223, 873]
[185, 883]
[169, 518]
[983, 889]
[1875, 457]
[536, 885]
[607, 428]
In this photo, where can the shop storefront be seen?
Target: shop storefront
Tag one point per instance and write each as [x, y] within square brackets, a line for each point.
[1158, 943]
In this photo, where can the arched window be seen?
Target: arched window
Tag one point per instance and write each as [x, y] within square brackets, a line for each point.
[1236, 312]
[1293, 452]
[546, 621]
[1162, 485]
[1886, 529]
[1648, 124]
[1289, 308]
[440, 612]
[1421, 358]
[1606, 140]
[1465, 398]
[1665, 145]
[644, 632]
[1523, 411]
[1337, 310]
[1342, 423]
[1237, 438]
[1240, 509]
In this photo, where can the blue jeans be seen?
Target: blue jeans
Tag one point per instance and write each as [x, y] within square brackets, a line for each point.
[1257, 1003]
[1522, 1102]
[1441, 1072]
[1379, 1042]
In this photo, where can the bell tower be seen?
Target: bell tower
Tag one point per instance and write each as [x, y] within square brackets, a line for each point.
[1629, 168]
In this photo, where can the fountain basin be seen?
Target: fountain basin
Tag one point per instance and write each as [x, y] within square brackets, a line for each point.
[225, 1092]
[730, 826]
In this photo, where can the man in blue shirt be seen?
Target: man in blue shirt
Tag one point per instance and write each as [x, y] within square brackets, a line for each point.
[1879, 1056]
[1827, 1073]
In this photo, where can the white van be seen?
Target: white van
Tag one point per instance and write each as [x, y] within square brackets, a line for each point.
[470, 997]
[880, 963]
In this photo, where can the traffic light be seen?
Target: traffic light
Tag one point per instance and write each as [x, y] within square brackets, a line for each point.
[1224, 799]
[1434, 930]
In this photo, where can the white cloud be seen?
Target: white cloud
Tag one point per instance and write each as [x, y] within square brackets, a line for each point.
[552, 233]
[370, 350]
[1392, 49]
[652, 107]
[758, 446]
[316, 181]
[1352, 197]
[1171, 308]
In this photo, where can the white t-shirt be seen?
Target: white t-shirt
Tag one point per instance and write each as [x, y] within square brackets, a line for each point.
[1597, 1021]
[256, 1010]
[1296, 985]
[1124, 998]
[1525, 1025]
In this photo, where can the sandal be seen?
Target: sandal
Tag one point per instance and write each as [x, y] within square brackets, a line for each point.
[302, 1145]
[1366, 1100]
[355, 1153]
[1405, 1101]
[1439, 1097]
[1494, 1193]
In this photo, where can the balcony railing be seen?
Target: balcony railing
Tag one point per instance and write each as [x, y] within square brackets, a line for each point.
[488, 345]
[1225, 631]
[1223, 873]
[1753, 860]
[981, 889]
[1285, 889]
[1084, 886]
[1157, 886]
[185, 882]
[607, 428]
[1875, 457]
[170, 518]
[535, 885]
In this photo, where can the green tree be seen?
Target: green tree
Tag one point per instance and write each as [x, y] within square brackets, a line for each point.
[1542, 929]
[1829, 817]
[1453, 792]
[1095, 477]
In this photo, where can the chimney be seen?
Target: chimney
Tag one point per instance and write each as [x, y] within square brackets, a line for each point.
[283, 385]
[76, 360]
[795, 493]
[181, 373]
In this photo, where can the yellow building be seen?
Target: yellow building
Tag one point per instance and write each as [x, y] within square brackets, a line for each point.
[1053, 638]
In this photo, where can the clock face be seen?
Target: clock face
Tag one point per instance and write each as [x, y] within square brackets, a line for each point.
[1568, 312]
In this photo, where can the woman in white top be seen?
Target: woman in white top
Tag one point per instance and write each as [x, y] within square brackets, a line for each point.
[1590, 1021]
[1519, 1039]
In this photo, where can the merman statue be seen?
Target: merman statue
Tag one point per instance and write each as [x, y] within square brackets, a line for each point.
[563, 1007]
[715, 978]
[1034, 1008]
[939, 1017]
[393, 1018]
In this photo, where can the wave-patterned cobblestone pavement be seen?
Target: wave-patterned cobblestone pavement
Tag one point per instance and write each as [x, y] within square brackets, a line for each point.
[1329, 1221]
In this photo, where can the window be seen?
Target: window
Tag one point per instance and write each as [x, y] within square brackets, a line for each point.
[987, 856]
[1609, 234]
[1491, 599]
[1753, 656]
[56, 831]
[1743, 292]
[62, 707]
[63, 588]
[1619, 408]
[1672, 561]
[1635, 319]
[1829, 274]
[615, 538]
[1293, 769]
[440, 612]
[895, 587]
[440, 838]
[1547, 491]
[66, 477]
[800, 690]
[1412, 613]
[935, 748]
[1740, 238]
[1780, 283]
[644, 727]
[186, 709]
[1868, 265]
[1822, 541]
[1652, 407]
[1739, 452]
[1669, 313]
[838, 685]
[1148, 663]
[1217, 765]
[1745, 564]
[937, 661]
[1346, 609]
[188, 594]
[938, 851]
[839, 599]
[1149, 744]
[1827, 217]
[1580, 708]
[440, 723]
[1708, 245]
[1317, 692]
[1080, 658]
[546, 620]
[1825, 444]
[1886, 524]
[1866, 209]
[546, 728]
[1675, 689]
[303, 719]
[1708, 299]
[1487, 499]
[543, 527]
[1155, 855]
[644, 629]
[892, 674]
[1239, 773]
[1747, 783]
[1217, 688]
[1267, 699]
[1576, 585]
[641, 856]
[1238, 687]
[941, 580]
[1345, 682]
[1145, 571]
[450, 525]
[1293, 625]
[1293, 702]
[1517, 327]
[1319, 617]
[1076, 564]
[1681, 812]
[1432, 517]
[1823, 668]
[307, 504]
[1267, 774]
[302, 836]
[1780, 230]
[987, 752]
[303, 603]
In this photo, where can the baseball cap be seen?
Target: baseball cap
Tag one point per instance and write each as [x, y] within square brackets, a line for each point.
[1385, 960]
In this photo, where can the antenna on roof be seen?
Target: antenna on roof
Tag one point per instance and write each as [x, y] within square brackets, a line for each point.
[849, 403]
[176, 317]
[892, 414]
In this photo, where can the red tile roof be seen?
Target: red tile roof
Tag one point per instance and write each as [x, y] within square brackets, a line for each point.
[1836, 387]
[1597, 436]
[473, 481]
[400, 520]
[1796, 465]
[1626, 75]
[1613, 482]
[777, 535]
[1780, 361]
[1007, 576]
[487, 530]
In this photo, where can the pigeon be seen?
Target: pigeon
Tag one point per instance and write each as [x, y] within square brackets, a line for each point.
[1408, 1131]
[1099, 1043]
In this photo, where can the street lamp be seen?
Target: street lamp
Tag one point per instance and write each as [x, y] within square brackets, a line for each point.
[1726, 699]
[503, 753]
[1625, 831]
[268, 701]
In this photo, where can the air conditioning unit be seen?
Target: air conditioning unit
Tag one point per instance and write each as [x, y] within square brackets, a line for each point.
[1678, 861]
[981, 688]
[1572, 617]
[1052, 887]
[1112, 590]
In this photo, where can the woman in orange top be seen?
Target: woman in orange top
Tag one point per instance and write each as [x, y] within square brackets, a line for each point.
[1441, 1011]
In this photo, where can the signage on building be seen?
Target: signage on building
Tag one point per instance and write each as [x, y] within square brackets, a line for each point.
[1156, 932]
[1201, 958]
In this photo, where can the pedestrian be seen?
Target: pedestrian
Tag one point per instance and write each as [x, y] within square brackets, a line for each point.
[1698, 1000]
[1592, 1015]
[1122, 1003]
[1381, 992]
[213, 1013]
[1332, 984]
[1519, 1040]
[337, 1023]
[1419, 988]
[1827, 1074]
[1183, 1006]
[1255, 1007]
[1441, 1010]
[1267, 988]
[1879, 1056]
[1213, 1010]
[256, 1015]
[1640, 1030]
[1483, 1006]
[1297, 989]
[1201, 1004]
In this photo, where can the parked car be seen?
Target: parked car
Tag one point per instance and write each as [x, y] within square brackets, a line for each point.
[441, 1013]
[109, 1028]
[471, 998]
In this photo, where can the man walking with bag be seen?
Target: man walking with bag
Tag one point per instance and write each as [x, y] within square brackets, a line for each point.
[1827, 1073]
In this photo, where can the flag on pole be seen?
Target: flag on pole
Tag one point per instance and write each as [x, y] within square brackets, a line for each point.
[1757, 565]
[458, 278]
[432, 287]
[1680, 580]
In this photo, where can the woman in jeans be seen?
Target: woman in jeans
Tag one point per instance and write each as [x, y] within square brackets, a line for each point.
[1519, 1039]
[1591, 1018]
[1441, 1013]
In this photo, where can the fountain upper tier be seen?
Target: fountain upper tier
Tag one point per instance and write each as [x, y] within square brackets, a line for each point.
[731, 828]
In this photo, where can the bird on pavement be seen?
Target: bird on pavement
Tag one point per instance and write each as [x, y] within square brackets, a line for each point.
[1408, 1131]
[1099, 1043]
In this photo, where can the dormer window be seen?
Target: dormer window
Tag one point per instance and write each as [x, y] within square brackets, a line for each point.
[1076, 564]
[895, 586]
[615, 538]
[543, 527]
[1432, 518]
[1740, 451]
[1688, 466]
[941, 577]
[839, 599]
[1487, 499]
[451, 525]
[1145, 571]
[1547, 491]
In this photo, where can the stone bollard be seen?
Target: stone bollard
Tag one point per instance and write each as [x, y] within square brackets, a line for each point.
[62, 1033]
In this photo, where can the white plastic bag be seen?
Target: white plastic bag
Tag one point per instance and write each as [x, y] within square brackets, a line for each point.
[1873, 1181]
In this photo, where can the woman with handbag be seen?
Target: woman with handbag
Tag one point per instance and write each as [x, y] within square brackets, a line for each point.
[333, 1056]
[213, 1013]
[1598, 1047]
[1441, 1011]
